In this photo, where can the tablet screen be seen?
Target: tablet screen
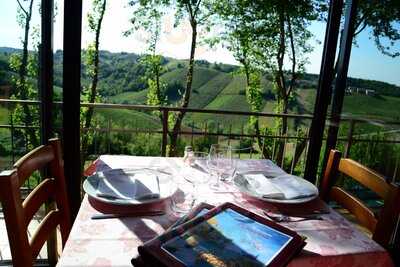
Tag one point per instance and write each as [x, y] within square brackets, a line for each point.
[226, 238]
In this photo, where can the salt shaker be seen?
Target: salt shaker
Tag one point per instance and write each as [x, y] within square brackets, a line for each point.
[188, 157]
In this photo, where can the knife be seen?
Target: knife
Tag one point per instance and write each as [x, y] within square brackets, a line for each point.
[137, 214]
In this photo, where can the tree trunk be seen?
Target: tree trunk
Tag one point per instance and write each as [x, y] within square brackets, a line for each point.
[281, 143]
[186, 97]
[93, 88]
[299, 150]
[281, 84]
[261, 145]
[260, 142]
[22, 90]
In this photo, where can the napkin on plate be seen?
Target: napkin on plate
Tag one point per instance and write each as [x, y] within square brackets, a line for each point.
[267, 168]
[132, 185]
[284, 186]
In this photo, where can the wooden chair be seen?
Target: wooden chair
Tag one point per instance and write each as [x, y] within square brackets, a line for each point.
[382, 226]
[18, 213]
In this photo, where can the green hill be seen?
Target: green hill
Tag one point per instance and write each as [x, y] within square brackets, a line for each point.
[215, 86]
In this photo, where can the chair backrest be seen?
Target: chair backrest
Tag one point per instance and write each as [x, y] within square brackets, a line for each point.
[382, 226]
[18, 213]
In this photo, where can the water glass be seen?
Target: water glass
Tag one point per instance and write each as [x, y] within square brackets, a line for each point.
[195, 173]
[220, 163]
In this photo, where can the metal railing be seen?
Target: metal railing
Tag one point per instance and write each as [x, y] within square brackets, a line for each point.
[228, 134]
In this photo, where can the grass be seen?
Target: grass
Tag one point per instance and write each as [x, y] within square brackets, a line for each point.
[4, 116]
[226, 102]
[306, 98]
[129, 98]
[200, 76]
[205, 94]
[379, 107]
[129, 119]
[237, 86]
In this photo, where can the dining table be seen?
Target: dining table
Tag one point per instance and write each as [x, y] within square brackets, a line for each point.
[330, 241]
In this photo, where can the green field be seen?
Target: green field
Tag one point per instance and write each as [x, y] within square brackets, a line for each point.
[3, 115]
[379, 107]
[129, 119]
[129, 98]
[203, 95]
[215, 86]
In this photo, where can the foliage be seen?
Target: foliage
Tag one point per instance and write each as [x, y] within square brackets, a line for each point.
[204, 143]
[382, 17]
[197, 13]
[263, 36]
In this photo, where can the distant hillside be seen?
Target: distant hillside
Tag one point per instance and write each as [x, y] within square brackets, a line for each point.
[215, 86]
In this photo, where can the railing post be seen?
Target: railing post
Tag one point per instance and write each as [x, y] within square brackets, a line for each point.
[109, 136]
[12, 138]
[191, 137]
[349, 139]
[396, 167]
[294, 154]
[284, 151]
[230, 134]
[164, 133]
[217, 132]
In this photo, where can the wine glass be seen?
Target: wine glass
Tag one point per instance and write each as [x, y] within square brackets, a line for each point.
[220, 163]
[193, 172]
[196, 172]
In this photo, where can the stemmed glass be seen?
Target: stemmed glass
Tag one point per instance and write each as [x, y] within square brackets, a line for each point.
[220, 162]
[195, 173]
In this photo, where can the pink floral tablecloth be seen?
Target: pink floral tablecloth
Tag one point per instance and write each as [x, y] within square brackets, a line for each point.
[332, 241]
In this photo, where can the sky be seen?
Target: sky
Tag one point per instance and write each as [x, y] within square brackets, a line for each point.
[366, 61]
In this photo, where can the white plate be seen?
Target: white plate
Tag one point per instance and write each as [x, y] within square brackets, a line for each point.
[167, 187]
[242, 186]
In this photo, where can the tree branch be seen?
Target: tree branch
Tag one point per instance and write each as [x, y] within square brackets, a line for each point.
[190, 11]
[293, 74]
[361, 21]
[197, 8]
[280, 79]
[22, 8]
[30, 9]
[361, 29]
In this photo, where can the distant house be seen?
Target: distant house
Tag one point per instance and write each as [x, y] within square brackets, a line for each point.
[350, 90]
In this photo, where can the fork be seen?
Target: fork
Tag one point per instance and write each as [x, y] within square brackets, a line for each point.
[286, 218]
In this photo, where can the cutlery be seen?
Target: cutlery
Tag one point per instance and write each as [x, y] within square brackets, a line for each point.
[292, 214]
[137, 214]
[286, 218]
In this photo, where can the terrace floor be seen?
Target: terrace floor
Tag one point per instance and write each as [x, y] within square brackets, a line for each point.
[5, 254]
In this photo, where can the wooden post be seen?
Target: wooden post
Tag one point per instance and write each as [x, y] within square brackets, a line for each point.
[324, 89]
[71, 102]
[164, 133]
[46, 71]
[341, 78]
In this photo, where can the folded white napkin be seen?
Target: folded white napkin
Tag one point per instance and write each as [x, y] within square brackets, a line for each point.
[129, 185]
[281, 187]
[265, 167]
